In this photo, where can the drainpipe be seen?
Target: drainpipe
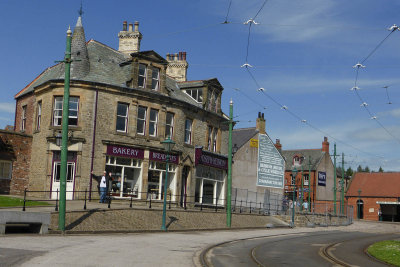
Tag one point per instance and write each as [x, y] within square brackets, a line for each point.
[93, 144]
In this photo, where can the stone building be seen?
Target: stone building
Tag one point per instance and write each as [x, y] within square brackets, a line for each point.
[375, 196]
[122, 105]
[257, 179]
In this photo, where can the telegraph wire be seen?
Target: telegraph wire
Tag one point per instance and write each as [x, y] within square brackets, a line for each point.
[227, 13]
[376, 48]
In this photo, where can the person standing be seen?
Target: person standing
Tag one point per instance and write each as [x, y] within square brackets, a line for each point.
[103, 181]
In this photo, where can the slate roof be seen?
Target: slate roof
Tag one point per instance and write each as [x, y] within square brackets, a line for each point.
[315, 154]
[242, 136]
[376, 184]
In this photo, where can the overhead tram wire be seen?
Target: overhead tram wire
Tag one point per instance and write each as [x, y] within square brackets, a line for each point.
[227, 13]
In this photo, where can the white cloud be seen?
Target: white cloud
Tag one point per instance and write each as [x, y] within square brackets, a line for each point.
[394, 112]
[7, 107]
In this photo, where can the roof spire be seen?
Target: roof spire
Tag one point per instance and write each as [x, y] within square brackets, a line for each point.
[80, 12]
[80, 59]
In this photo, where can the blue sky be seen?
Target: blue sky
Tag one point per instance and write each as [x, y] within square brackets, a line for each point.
[302, 53]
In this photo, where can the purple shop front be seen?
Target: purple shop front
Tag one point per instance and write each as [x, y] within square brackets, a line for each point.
[161, 156]
[210, 159]
[124, 151]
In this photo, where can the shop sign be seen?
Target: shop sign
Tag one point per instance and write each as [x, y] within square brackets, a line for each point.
[209, 159]
[161, 156]
[124, 151]
[271, 165]
[322, 178]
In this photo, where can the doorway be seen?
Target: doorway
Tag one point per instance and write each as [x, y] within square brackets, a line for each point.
[185, 175]
[70, 176]
[360, 209]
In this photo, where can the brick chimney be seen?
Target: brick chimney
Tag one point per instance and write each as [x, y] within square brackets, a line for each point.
[325, 145]
[260, 123]
[278, 145]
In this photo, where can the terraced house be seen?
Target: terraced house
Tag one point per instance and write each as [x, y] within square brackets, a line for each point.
[123, 103]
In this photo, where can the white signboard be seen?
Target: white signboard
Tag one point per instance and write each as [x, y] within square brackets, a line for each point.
[271, 166]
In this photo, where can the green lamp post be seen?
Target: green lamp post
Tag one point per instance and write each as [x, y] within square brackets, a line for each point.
[359, 204]
[168, 146]
[229, 189]
[64, 133]
[294, 174]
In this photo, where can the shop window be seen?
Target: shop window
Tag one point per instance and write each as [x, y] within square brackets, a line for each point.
[23, 118]
[188, 131]
[122, 117]
[156, 178]
[142, 76]
[209, 185]
[72, 114]
[141, 120]
[155, 79]
[169, 125]
[212, 139]
[38, 115]
[5, 169]
[153, 122]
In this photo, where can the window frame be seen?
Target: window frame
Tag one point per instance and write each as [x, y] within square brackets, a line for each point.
[198, 96]
[124, 117]
[188, 130]
[70, 117]
[215, 139]
[153, 122]
[155, 79]
[3, 164]
[292, 180]
[171, 125]
[58, 118]
[209, 141]
[143, 76]
[306, 181]
[23, 118]
[38, 115]
[142, 120]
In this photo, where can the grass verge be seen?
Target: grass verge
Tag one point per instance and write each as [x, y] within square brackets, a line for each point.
[387, 251]
[6, 201]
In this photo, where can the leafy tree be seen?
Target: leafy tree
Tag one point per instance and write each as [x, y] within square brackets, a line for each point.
[359, 168]
[380, 169]
[349, 172]
[367, 169]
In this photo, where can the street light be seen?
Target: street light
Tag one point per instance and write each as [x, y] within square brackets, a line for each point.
[294, 174]
[168, 145]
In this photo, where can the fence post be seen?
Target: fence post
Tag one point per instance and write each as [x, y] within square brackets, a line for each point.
[130, 204]
[169, 203]
[184, 201]
[150, 202]
[259, 211]
[84, 206]
[216, 204]
[240, 211]
[201, 206]
[23, 208]
[56, 208]
[109, 199]
[250, 206]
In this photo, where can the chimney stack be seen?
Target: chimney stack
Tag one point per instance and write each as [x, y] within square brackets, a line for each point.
[325, 145]
[177, 66]
[129, 40]
[278, 145]
[260, 123]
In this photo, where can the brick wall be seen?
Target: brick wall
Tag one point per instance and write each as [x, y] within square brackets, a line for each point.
[370, 207]
[21, 145]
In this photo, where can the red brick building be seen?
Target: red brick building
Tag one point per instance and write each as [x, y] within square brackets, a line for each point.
[370, 193]
[15, 157]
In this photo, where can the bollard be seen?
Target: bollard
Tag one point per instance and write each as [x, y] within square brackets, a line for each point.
[56, 209]
[84, 206]
[23, 208]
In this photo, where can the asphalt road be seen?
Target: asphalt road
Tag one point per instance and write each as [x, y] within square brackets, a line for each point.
[178, 248]
[297, 250]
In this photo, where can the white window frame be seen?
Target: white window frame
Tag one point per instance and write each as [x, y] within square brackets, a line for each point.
[23, 118]
[155, 81]
[292, 180]
[196, 94]
[170, 125]
[39, 115]
[57, 118]
[188, 131]
[210, 132]
[122, 116]
[215, 137]
[143, 75]
[141, 120]
[153, 122]
[306, 181]
[3, 166]
[71, 100]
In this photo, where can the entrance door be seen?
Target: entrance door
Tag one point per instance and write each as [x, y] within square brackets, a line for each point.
[55, 191]
[185, 174]
[360, 209]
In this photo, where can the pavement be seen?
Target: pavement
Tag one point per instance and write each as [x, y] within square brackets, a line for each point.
[178, 249]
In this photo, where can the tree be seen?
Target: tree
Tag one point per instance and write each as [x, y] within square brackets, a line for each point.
[380, 169]
[349, 172]
[367, 169]
[359, 168]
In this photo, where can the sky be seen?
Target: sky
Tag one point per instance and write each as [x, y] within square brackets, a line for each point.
[302, 54]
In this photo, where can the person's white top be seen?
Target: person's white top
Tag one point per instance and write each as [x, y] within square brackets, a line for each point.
[103, 181]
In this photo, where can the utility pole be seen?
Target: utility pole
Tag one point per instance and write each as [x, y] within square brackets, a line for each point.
[342, 186]
[229, 197]
[334, 179]
[64, 133]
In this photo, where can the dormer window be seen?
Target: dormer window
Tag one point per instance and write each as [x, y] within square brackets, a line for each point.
[297, 160]
[196, 94]
[142, 76]
[155, 79]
